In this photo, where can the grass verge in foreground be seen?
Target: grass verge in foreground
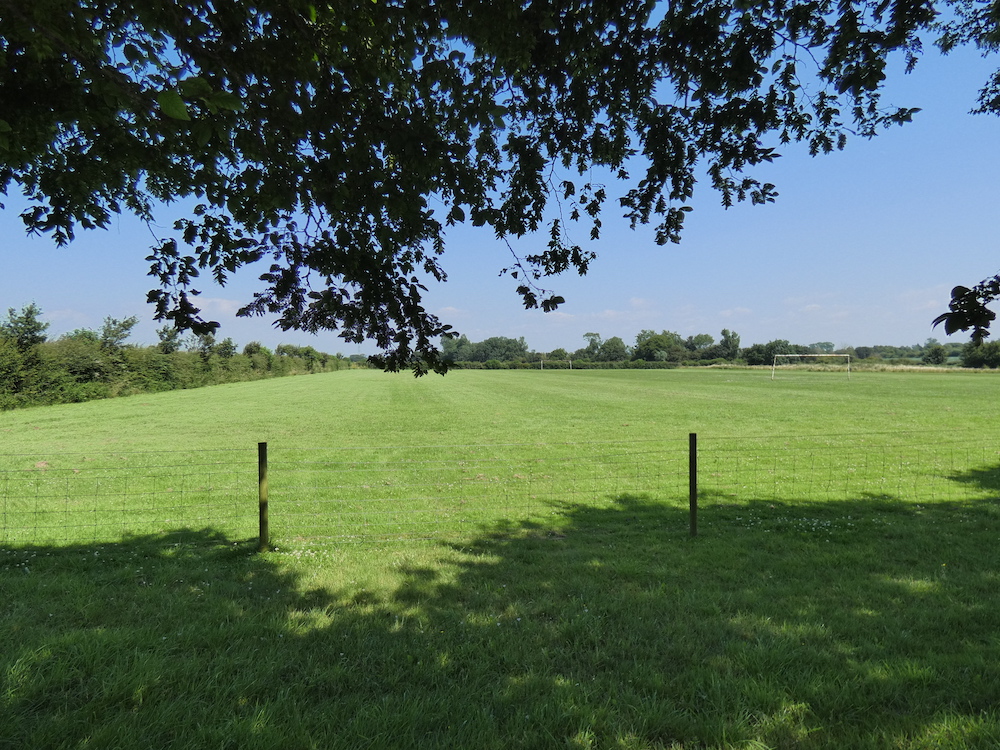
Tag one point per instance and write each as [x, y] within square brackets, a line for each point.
[790, 625]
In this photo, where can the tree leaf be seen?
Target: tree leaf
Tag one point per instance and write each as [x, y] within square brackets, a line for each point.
[195, 87]
[227, 100]
[172, 105]
[202, 132]
[133, 54]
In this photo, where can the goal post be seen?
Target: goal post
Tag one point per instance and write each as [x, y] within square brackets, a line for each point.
[846, 358]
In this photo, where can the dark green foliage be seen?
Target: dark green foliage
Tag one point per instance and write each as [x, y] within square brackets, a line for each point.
[115, 332]
[261, 358]
[502, 348]
[822, 347]
[665, 346]
[597, 350]
[499, 348]
[24, 328]
[651, 348]
[699, 342]
[613, 350]
[80, 357]
[981, 355]
[340, 141]
[592, 350]
[83, 365]
[149, 369]
[728, 347]
[170, 339]
[670, 349]
[456, 349]
[935, 355]
[226, 348]
[863, 352]
[968, 309]
[12, 367]
[763, 354]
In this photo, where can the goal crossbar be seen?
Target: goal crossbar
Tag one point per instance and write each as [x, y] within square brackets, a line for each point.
[774, 364]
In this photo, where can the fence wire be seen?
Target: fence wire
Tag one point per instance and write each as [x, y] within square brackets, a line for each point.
[88, 497]
[909, 467]
[407, 492]
[429, 491]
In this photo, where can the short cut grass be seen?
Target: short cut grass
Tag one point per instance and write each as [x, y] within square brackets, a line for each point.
[793, 622]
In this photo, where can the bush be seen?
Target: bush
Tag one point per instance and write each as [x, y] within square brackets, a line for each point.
[983, 355]
[936, 355]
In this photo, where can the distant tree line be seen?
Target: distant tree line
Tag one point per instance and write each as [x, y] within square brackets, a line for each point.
[666, 348]
[88, 364]
[670, 349]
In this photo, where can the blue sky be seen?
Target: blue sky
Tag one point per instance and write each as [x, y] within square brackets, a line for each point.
[862, 247]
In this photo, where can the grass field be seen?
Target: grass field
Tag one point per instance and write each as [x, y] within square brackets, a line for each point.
[814, 610]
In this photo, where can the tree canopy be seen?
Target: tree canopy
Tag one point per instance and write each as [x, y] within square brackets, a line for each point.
[340, 141]
[25, 328]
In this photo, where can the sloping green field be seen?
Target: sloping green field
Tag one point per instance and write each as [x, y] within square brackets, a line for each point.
[362, 454]
[841, 593]
[364, 407]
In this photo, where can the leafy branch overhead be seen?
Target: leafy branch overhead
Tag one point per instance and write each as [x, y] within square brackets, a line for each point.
[337, 142]
[968, 309]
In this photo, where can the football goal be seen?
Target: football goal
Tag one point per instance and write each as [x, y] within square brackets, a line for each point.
[822, 361]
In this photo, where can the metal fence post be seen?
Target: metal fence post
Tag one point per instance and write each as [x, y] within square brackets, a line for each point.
[693, 480]
[264, 534]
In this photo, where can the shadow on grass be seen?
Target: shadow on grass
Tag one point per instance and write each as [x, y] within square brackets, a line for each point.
[783, 625]
[985, 478]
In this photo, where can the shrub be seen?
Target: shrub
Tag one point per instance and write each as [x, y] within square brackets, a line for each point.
[983, 355]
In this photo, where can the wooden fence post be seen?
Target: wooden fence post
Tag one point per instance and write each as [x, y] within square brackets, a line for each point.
[264, 534]
[693, 480]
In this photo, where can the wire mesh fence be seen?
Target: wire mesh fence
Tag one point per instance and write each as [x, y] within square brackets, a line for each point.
[429, 491]
[905, 466]
[100, 497]
[408, 492]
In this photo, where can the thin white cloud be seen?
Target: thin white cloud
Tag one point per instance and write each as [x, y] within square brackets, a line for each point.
[614, 315]
[74, 317]
[562, 317]
[921, 300]
[735, 312]
[640, 303]
[219, 305]
[451, 312]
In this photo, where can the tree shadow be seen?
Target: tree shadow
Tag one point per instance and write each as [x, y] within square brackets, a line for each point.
[789, 624]
[101, 641]
[986, 478]
[809, 625]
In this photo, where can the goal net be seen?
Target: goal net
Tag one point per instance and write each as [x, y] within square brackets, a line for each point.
[837, 362]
